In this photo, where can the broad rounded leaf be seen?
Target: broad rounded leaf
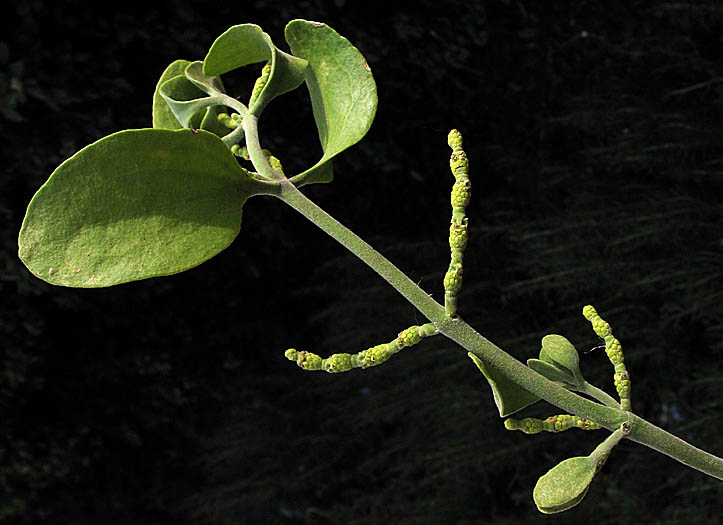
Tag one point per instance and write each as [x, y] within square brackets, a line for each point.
[551, 372]
[509, 397]
[238, 46]
[564, 485]
[342, 90]
[187, 106]
[247, 44]
[558, 351]
[181, 99]
[163, 117]
[135, 204]
[208, 84]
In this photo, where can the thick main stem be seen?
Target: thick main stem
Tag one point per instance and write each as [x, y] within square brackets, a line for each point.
[463, 334]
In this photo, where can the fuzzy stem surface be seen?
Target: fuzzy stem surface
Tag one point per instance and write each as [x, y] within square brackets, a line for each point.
[463, 334]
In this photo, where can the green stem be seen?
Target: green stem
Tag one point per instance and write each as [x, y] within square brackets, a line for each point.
[232, 103]
[598, 394]
[602, 451]
[666, 443]
[463, 334]
[258, 159]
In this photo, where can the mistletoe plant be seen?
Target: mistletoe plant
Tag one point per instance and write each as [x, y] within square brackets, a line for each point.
[143, 203]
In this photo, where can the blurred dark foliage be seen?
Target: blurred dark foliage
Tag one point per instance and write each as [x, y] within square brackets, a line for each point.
[594, 130]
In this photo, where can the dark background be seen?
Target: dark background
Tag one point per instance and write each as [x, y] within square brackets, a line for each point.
[594, 133]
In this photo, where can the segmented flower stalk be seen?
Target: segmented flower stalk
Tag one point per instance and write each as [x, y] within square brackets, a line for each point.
[614, 350]
[531, 425]
[232, 121]
[458, 235]
[370, 357]
[260, 83]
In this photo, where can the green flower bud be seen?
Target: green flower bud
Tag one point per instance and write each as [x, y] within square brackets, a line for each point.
[458, 236]
[409, 337]
[588, 312]
[459, 164]
[453, 279]
[374, 355]
[614, 351]
[308, 361]
[454, 139]
[337, 363]
[461, 194]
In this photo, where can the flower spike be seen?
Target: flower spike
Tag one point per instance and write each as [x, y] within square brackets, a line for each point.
[373, 356]
[458, 235]
[614, 351]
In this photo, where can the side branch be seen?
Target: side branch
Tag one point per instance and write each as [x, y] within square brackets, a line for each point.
[463, 334]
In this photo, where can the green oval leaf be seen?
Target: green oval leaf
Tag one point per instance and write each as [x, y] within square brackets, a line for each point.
[210, 85]
[559, 352]
[342, 90]
[551, 372]
[509, 397]
[564, 485]
[163, 117]
[188, 107]
[238, 46]
[135, 204]
[247, 44]
[184, 97]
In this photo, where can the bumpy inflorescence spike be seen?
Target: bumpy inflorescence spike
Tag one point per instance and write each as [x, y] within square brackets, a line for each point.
[370, 357]
[276, 165]
[458, 228]
[614, 351]
[232, 121]
[531, 425]
[260, 83]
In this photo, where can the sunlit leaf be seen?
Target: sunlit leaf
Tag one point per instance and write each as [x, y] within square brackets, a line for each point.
[163, 117]
[559, 352]
[564, 485]
[181, 99]
[342, 90]
[136, 204]
[246, 44]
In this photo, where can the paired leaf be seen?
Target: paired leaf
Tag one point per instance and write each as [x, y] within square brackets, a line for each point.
[149, 202]
[163, 117]
[135, 204]
[179, 88]
[509, 396]
[342, 90]
[194, 99]
[561, 354]
[247, 44]
[564, 485]
[551, 372]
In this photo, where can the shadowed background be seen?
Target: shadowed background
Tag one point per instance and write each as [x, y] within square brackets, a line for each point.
[594, 133]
